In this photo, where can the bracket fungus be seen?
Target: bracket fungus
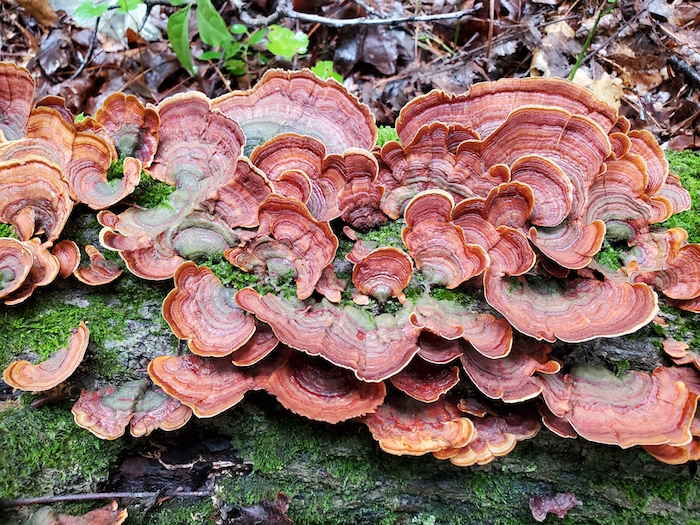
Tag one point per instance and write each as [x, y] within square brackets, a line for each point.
[52, 371]
[476, 236]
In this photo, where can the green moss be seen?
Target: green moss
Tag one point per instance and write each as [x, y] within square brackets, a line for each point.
[386, 133]
[7, 230]
[609, 257]
[686, 165]
[389, 234]
[151, 192]
[43, 451]
[43, 324]
[80, 117]
[456, 296]
[232, 277]
[176, 512]
[622, 367]
[116, 170]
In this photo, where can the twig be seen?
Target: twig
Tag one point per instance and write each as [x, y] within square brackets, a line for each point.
[681, 65]
[43, 500]
[90, 51]
[284, 10]
[368, 8]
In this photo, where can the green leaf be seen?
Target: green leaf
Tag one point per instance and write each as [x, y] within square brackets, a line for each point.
[124, 6]
[180, 38]
[210, 55]
[238, 29]
[257, 37]
[324, 69]
[212, 28]
[177, 3]
[87, 10]
[236, 67]
[285, 43]
[232, 49]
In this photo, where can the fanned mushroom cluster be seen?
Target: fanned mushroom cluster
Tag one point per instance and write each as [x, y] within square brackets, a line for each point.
[351, 281]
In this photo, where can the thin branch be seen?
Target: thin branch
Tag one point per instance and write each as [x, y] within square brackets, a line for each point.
[43, 500]
[90, 51]
[284, 10]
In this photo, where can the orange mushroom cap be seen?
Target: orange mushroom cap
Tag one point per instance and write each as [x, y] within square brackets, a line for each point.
[207, 385]
[259, 346]
[404, 426]
[318, 390]
[101, 271]
[68, 255]
[52, 371]
[107, 515]
[637, 408]
[16, 98]
[375, 348]
[15, 263]
[43, 271]
[34, 197]
[203, 311]
[300, 102]
[155, 409]
[510, 378]
[132, 128]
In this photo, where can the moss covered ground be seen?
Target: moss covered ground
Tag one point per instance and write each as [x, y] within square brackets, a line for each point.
[333, 474]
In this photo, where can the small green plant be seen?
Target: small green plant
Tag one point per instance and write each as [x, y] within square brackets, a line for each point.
[235, 44]
[324, 70]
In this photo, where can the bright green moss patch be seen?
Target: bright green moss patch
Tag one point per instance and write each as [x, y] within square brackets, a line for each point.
[387, 235]
[7, 230]
[116, 170]
[686, 165]
[455, 296]
[43, 452]
[609, 258]
[386, 133]
[43, 323]
[151, 192]
[176, 512]
[230, 276]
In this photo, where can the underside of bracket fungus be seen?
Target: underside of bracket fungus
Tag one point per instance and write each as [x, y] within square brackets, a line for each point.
[474, 237]
[107, 412]
[54, 370]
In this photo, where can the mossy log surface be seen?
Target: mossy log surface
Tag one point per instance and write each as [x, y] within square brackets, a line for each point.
[333, 474]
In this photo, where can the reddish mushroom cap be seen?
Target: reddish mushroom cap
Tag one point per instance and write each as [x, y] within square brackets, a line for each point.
[486, 105]
[107, 515]
[259, 346]
[300, 102]
[195, 141]
[511, 378]
[101, 271]
[637, 408]
[491, 336]
[679, 277]
[572, 310]
[383, 273]
[15, 263]
[34, 197]
[208, 386]
[68, 255]
[558, 504]
[434, 349]
[375, 348]
[203, 311]
[155, 409]
[132, 128]
[16, 97]
[318, 390]
[404, 426]
[424, 381]
[438, 246]
[52, 371]
[42, 273]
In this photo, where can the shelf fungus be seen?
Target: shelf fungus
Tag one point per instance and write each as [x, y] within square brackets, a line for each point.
[203, 311]
[53, 371]
[108, 412]
[101, 271]
[405, 426]
[132, 127]
[300, 102]
[483, 233]
[637, 408]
